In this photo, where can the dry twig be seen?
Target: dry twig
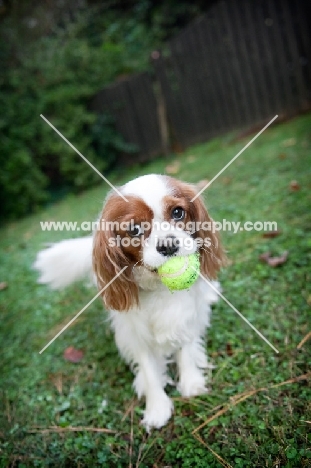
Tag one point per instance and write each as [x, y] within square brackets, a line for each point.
[219, 458]
[131, 437]
[235, 400]
[304, 340]
[46, 430]
[129, 409]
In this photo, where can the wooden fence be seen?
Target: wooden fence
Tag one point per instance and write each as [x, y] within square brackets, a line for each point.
[238, 65]
[133, 104]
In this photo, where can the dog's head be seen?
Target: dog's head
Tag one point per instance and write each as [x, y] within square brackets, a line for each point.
[157, 221]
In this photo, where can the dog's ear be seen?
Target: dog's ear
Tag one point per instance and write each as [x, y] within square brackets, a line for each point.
[108, 260]
[212, 255]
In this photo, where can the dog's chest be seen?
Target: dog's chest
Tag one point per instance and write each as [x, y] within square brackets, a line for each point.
[173, 319]
[165, 321]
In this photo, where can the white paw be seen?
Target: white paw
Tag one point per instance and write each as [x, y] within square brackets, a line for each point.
[193, 387]
[157, 413]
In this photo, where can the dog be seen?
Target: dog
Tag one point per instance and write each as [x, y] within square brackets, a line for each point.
[137, 233]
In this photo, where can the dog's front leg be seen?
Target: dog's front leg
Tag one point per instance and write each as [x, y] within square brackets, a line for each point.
[191, 361]
[159, 407]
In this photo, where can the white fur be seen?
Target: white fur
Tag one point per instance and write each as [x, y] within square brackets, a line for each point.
[151, 188]
[166, 325]
[65, 262]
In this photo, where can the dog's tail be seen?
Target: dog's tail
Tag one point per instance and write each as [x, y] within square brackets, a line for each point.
[65, 262]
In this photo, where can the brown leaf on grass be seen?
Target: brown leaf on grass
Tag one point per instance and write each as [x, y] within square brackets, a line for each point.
[57, 381]
[274, 261]
[282, 156]
[201, 184]
[229, 349]
[226, 180]
[264, 257]
[289, 142]
[3, 285]
[73, 355]
[191, 159]
[294, 186]
[271, 234]
[173, 168]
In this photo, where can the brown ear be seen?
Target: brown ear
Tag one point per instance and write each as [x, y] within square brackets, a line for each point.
[108, 261]
[212, 256]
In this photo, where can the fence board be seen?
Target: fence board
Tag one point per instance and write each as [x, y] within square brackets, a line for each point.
[235, 67]
[299, 84]
[303, 22]
[133, 104]
[208, 28]
[289, 103]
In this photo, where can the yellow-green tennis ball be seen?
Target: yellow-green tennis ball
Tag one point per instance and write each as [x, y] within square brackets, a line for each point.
[180, 272]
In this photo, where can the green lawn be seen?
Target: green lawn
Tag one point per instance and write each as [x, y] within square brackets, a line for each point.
[258, 412]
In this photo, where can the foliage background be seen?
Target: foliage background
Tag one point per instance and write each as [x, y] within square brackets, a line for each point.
[55, 57]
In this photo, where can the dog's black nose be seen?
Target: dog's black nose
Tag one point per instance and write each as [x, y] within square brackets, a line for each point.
[168, 246]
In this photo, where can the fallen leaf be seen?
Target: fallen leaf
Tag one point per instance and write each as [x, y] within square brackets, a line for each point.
[27, 235]
[282, 155]
[201, 184]
[264, 257]
[57, 381]
[274, 261]
[227, 180]
[294, 186]
[289, 142]
[73, 355]
[3, 285]
[229, 349]
[173, 168]
[191, 159]
[271, 234]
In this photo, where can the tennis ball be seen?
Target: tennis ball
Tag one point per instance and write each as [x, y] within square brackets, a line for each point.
[180, 272]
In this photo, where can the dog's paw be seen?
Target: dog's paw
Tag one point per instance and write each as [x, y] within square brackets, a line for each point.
[193, 386]
[158, 413]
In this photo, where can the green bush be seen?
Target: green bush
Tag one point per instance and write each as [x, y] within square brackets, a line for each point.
[55, 56]
[56, 75]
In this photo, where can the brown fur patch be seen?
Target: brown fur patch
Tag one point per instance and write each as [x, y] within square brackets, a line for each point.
[109, 258]
[211, 258]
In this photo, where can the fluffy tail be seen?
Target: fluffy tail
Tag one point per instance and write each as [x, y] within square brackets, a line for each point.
[65, 262]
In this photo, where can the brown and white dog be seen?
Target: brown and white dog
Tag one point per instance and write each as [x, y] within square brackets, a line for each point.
[151, 324]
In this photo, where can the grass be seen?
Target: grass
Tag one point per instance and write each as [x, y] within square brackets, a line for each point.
[59, 414]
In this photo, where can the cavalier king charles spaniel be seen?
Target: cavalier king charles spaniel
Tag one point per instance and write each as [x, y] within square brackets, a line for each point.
[152, 325]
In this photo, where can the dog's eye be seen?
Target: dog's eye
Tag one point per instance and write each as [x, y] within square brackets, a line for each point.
[178, 213]
[135, 231]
